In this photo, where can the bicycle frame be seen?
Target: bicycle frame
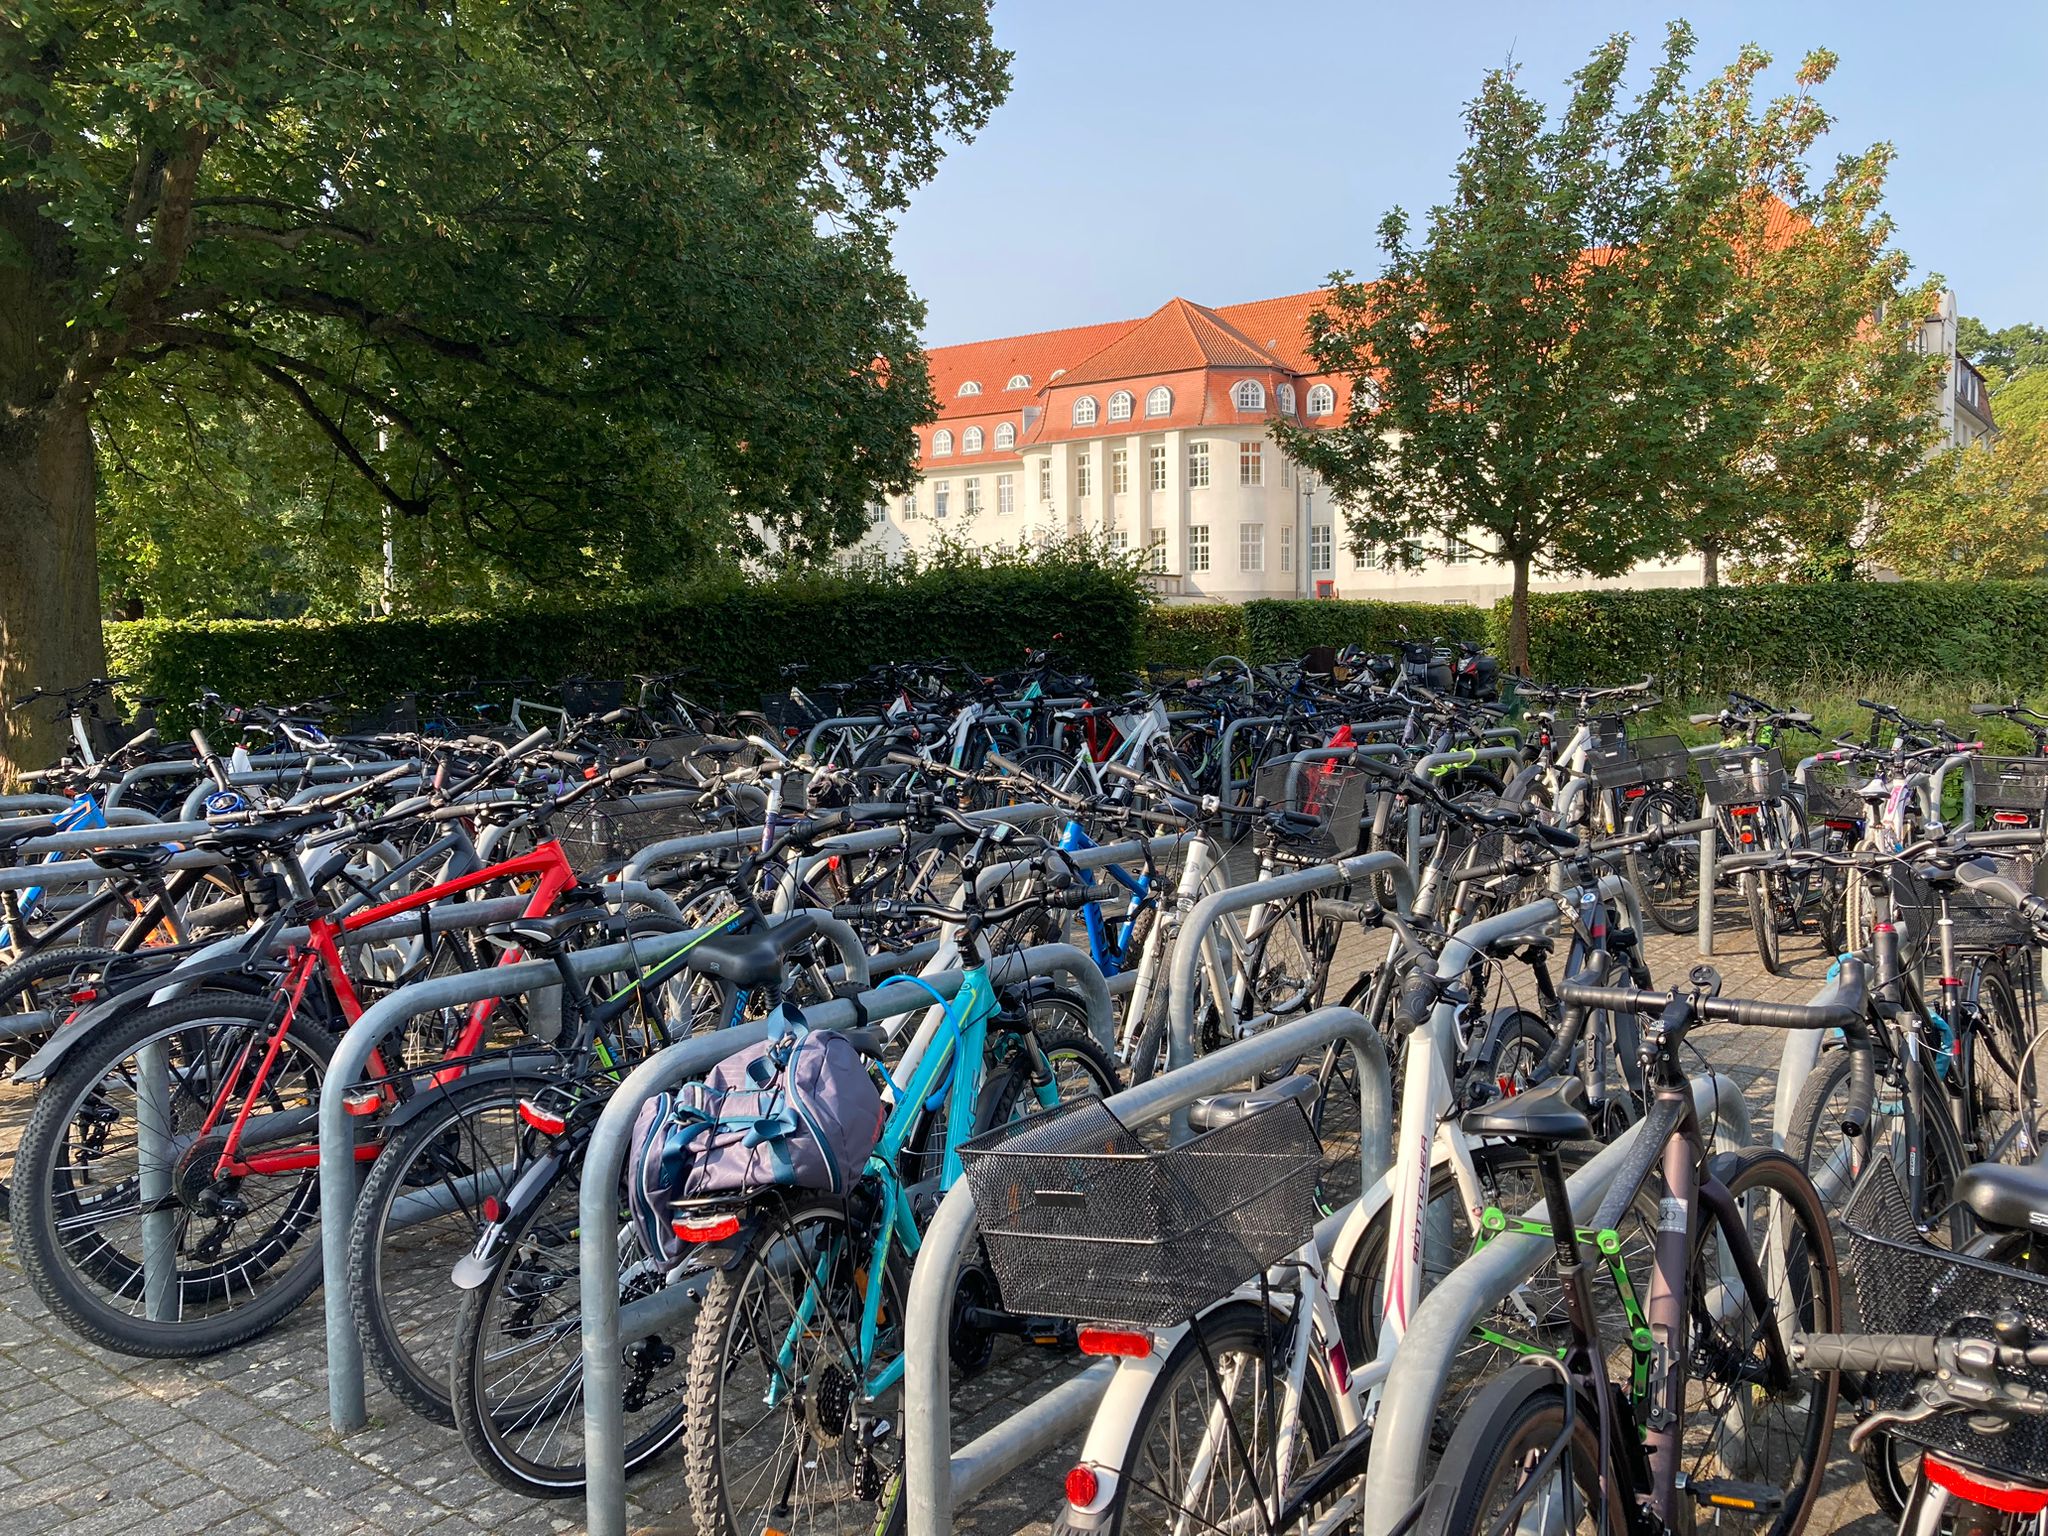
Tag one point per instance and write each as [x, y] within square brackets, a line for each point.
[1109, 953]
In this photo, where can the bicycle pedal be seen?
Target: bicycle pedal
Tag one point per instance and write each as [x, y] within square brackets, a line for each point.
[1727, 1493]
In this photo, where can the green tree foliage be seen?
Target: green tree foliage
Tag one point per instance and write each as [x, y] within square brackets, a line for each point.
[1975, 512]
[1559, 357]
[2022, 401]
[2005, 355]
[597, 288]
[1850, 407]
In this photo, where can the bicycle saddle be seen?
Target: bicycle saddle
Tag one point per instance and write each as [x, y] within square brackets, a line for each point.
[1550, 1113]
[541, 936]
[753, 958]
[266, 834]
[719, 746]
[2006, 1197]
[136, 859]
[13, 832]
[1227, 1108]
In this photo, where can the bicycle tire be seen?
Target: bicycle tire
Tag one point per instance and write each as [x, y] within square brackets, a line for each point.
[1763, 922]
[404, 1307]
[1064, 1042]
[75, 1274]
[1499, 1441]
[1813, 1139]
[1997, 1045]
[37, 983]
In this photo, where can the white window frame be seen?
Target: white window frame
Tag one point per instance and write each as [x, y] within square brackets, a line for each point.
[1322, 400]
[970, 387]
[1251, 463]
[910, 506]
[1248, 395]
[1159, 401]
[942, 498]
[1119, 471]
[1006, 495]
[1251, 546]
[1045, 481]
[942, 443]
[1155, 548]
[1120, 405]
[970, 500]
[1198, 465]
[1019, 381]
[1284, 393]
[1006, 435]
[1322, 538]
[970, 440]
[1287, 549]
[1158, 458]
[1084, 474]
[1198, 548]
[1085, 411]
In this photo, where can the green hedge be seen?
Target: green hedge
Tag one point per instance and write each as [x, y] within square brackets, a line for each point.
[734, 636]
[1705, 640]
[1279, 628]
[1192, 636]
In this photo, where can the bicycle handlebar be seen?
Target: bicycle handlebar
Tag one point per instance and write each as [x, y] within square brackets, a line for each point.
[1909, 1352]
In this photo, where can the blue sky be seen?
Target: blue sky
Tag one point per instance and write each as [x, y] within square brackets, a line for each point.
[1223, 152]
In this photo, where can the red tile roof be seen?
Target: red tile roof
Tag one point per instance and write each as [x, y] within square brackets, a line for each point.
[992, 364]
[1174, 338]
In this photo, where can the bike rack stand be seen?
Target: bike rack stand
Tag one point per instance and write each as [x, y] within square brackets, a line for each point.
[1443, 1323]
[338, 1168]
[837, 723]
[1470, 757]
[604, 1159]
[935, 1476]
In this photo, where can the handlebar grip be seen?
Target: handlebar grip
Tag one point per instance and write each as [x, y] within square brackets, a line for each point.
[1862, 1078]
[1709, 718]
[1982, 878]
[1866, 1352]
[520, 748]
[1002, 764]
[631, 770]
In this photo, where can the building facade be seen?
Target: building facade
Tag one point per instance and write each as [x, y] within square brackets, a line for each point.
[1155, 434]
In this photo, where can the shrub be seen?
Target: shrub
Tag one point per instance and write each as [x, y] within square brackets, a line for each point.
[1276, 629]
[732, 636]
[1706, 640]
[1191, 637]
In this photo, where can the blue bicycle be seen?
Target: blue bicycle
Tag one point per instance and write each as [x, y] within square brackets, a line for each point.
[797, 1360]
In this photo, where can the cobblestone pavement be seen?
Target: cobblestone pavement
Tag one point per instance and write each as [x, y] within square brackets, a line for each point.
[95, 1443]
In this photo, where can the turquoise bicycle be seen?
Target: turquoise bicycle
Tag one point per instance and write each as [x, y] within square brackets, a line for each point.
[797, 1359]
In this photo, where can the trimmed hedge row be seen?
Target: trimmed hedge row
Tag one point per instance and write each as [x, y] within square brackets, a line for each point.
[1705, 640]
[1278, 628]
[1191, 637]
[733, 637]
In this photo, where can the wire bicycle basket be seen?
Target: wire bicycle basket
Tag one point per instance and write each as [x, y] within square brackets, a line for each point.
[2009, 791]
[1325, 789]
[1626, 763]
[1743, 776]
[1082, 1221]
[1904, 1284]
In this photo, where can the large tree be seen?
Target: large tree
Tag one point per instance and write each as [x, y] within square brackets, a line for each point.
[598, 284]
[1850, 405]
[2004, 355]
[1558, 358]
[1973, 513]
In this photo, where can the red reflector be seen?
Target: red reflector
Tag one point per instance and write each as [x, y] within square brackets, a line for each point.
[1130, 1343]
[546, 1121]
[85, 994]
[1082, 1486]
[2003, 818]
[705, 1229]
[1841, 824]
[1340, 1365]
[493, 1209]
[1743, 810]
[364, 1101]
[590, 772]
[1637, 793]
[2010, 1497]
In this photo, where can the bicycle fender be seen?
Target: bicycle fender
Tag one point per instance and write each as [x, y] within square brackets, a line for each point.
[530, 1069]
[477, 1266]
[145, 993]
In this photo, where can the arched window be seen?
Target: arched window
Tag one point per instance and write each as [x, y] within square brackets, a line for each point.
[942, 442]
[1084, 411]
[1159, 402]
[970, 388]
[1019, 381]
[1057, 372]
[1249, 395]
[1120, 405]
[1322, 400]
[1285, 394]
[1006, 435]
[970, 440]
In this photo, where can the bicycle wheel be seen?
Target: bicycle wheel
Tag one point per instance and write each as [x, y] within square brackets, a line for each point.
[421, 1209]
[1499, 1469]
[1081, 1069]
[2001, 1124]
[1814, 1140]
[1285, 977]
[1202, 1450]
[780, 1436]
[1739, 1428]
[233, 1251]
[41, 983]
[517, 1377]
[1763, 920]
[1667, 877]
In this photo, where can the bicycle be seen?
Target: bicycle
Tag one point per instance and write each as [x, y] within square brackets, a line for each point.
[1714, 1416]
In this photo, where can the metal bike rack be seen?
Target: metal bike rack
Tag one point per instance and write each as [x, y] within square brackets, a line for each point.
[671, 848]
[837, 723]
[935, 1476]
[1195, 936]
[872, 839]
[33, 804]
[338, 1167]
[325, 773]
[1442, 1325]
[1230, 787]
[604, 1159]
[1467, 758]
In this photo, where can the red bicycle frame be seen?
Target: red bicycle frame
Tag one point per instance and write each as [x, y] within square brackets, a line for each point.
[322, 950]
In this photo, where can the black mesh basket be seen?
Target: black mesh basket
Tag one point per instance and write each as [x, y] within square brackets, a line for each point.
[1902, 1284]
[1081, 1221]
[1982, 924]
[2013, 784]
[583, 697]
[1743, 776]
[1622, 763]
[1831, 798]
[1323, 788]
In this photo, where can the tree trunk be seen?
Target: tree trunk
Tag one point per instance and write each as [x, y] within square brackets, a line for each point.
[1518, 619]
[1710, 564]
[49, 580]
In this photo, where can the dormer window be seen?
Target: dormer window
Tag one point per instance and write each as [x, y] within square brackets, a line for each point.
[1084, 411]
[1019, 381]
[942, 442]
[1249, 395]
[1120, 406]
[970, 388]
